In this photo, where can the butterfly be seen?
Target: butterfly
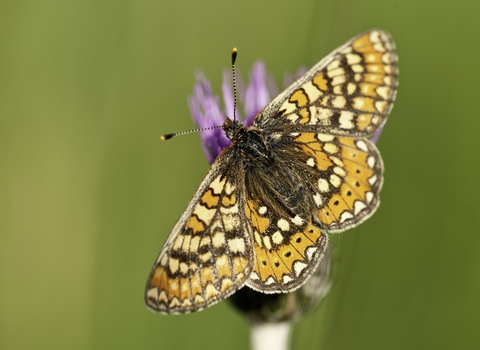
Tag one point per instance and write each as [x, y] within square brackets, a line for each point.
[305, 168]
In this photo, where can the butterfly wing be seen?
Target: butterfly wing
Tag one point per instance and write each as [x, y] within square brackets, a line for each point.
[344, 179]
[208, 255]
[287, 247]
[348, 93]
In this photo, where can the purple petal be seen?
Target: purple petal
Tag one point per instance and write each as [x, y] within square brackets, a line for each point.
[257, 95]
[377, 134]
[206, 113]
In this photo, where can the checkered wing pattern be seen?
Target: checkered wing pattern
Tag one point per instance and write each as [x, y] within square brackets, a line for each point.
[350, 92]
[208, 254]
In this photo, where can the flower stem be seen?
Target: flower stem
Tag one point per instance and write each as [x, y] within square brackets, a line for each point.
[271, 336]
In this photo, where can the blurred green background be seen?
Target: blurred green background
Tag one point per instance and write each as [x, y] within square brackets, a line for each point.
[88, 194]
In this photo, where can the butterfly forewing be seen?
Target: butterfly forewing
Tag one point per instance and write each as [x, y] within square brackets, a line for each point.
[350, 92]
[208, 255]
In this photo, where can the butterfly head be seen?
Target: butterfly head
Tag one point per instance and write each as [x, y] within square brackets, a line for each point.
[232, 128]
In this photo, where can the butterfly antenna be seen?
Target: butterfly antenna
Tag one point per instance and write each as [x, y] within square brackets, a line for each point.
[169, 136]
[234, 80]
[234, 58]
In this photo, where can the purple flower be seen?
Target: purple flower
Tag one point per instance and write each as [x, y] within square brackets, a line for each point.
[207, 112]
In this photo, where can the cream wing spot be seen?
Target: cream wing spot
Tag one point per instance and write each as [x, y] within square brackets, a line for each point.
[173, 265]
[362, 145]
[298, 267]
[351, 87]
[162, 297]
[174, 303]
[237, 245]
[283, 225]
[312, 92]
[311, 162]
[339, 102]
[277, 238]
[205, 241]
[323, 185]
[195, 243]
[369, 196]
[310, 252]
[346, 120]
[218, 239]
[254, 276]
[340, 79]
[383, 91]
[325, 137]
[335, 180]
[229, 188]
[217, 185]
[267, 242]
[152, 293]
[380, 106]
[206, 257]
[164, 260]
[178, 242]
[183, 268]
[353, 58]
[336, 72]
[211, 291]
[270, 280]
[371, 162]
[226, 284]
[330, 148]
[318, 200]
[186, 243]
[358, 207]
[358, 103]
[203, 213]
[297, 220]
[339, 171]
[356, 68]
[199, 300]
[345, 216]
[333, 65]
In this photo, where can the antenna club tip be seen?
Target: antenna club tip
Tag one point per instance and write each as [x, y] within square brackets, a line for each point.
[166, 137]
[234, 55]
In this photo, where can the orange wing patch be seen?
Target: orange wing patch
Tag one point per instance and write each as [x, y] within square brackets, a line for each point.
[287, 249]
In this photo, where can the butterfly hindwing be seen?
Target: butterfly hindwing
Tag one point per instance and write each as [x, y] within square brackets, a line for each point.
[208, 254]
[346, 178]
[287, 248]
